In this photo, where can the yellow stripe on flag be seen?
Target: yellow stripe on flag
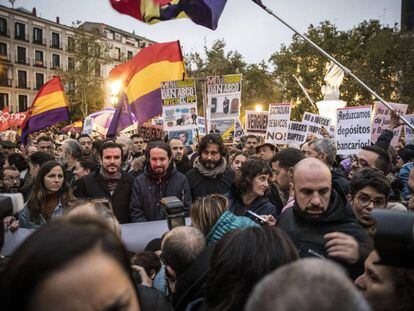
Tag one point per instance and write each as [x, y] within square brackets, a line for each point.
[48, 102]
[149, 78]
[227, 134]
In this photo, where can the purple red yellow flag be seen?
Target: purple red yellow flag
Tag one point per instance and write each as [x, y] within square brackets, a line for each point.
[143, 74]
[49, 107]
[202, 12]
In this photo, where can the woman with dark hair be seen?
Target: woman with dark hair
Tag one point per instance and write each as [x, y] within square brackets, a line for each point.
[49, 197]
[236, 267]
[77, 264]
[237, 160]
[250, 188]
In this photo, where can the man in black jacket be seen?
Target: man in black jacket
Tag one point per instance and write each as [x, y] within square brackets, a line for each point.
[181, 161]
[109, 182]
[161, 179]
[210, 173]
[321, 223]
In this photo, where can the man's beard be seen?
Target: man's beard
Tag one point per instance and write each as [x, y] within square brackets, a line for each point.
[210, 164]
[13, 190]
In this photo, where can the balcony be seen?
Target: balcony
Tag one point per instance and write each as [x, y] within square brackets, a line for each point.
[6, 82]
[41, 41]
[5, 33]
[70, 48]
[40, 64]
[22, 37]
[56, 45]
[22, 60]
[5, 58]
[56, 67]
[22, 85]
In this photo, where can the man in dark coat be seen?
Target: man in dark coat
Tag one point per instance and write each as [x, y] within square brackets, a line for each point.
[321, 223]
[161, 179]
[210, 173]
[109, 182]
[181, 161]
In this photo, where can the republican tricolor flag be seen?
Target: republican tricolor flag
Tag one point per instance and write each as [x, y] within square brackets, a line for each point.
[142, 77]
[49, 107]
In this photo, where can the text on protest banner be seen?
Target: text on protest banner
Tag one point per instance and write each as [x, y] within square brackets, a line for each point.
[382, 119]
[353, 130]
[224, 127]
[277, 125]
[315, 123]
[238, 130]
[409, 133]
[149, 132]
[179, 105]
[297, 133]
[223, 96]
[256, 122]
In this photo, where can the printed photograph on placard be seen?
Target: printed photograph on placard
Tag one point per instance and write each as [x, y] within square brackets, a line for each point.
[224, 96]
[186, 136]
[179, 117]
[223, 127]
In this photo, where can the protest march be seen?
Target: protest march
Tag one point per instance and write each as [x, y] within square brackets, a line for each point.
[201, 188]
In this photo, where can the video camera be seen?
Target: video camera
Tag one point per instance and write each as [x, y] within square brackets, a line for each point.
[174, 211]
[394, 238]
[10, 204]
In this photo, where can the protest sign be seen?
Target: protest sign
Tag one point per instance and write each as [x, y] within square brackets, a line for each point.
[238, 131]
[186, 136]
[277, 125]
[297, 133]
[256, 122]
[223, 127]
[223, 96]
[409, 133]
[315, 123]
[149, 131]
[201, 126]
[382, 119]
[87, 125]
[179, 105]
[353, 130]
[8, 120]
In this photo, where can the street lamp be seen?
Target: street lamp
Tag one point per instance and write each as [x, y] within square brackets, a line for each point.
[114, 87]
[258, 108]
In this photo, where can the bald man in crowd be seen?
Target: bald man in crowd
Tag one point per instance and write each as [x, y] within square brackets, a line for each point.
[321, 222]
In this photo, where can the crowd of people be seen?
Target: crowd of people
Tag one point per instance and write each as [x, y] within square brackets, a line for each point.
[272, 227]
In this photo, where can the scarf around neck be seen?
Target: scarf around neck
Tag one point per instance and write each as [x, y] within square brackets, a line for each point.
[111, 181]
[211, 173]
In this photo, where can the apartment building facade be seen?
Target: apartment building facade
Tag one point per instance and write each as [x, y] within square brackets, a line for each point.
[33, 49]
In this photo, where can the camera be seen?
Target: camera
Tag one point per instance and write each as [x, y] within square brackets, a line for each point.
[394, 237]
[173, 208]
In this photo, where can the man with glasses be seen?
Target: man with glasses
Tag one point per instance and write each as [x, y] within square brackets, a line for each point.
[369, 189]
[10, 180]
[210, 173]
[370, 156]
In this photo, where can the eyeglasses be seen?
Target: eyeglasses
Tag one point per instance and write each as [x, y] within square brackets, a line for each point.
[360, 162]
[365, 200]
[12, 179]
[212, 153]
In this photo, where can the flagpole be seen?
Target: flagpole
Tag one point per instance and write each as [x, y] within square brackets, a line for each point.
[305, 92]
[330, 57]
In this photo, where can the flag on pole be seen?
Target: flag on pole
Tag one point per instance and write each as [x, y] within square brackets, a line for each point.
[4, 119]
[143, 74]
[123, 117]
[49, 107]
[202, 12]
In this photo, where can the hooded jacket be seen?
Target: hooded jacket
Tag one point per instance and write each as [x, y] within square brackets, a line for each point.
[260, 205]
[308, 233]
[148, 190]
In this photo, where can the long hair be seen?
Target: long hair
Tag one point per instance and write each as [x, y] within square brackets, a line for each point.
[207, 210]
[251, 168]
[39, 195]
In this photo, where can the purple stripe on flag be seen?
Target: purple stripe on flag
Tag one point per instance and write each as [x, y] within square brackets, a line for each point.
[45, 119]
[147, 106]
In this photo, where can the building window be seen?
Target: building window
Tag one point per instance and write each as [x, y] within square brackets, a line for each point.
[3, 27]
[20, 31]
[22, 79]
[55, 40]
[129, 55]
[21, 55]
[37, 35]
[55, 61]
[71, 44]
[71, 63]
[40, 80]
[4, 100]
[98, 70]
[22, 103]
[4, 79]
[3, 51]
[117, 55]
[39, 60]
